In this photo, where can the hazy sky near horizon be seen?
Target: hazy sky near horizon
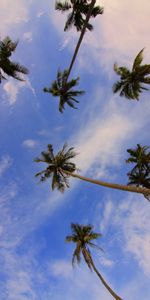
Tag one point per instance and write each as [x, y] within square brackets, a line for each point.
[34, 221]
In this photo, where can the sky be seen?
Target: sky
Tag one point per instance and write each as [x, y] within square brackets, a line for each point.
[34, 221]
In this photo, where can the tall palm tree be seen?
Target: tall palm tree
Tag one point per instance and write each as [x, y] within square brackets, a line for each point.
[85, 24]
[83, 236]
[7, 47]
[63, 89]
[79, 10]
[140, 174]
[132, 83]
[61, 168]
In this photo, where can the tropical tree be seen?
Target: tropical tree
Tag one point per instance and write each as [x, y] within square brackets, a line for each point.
[63, 89]
[7, 67]
[132, 83]
[79, 10]
[140, 174]
[60, 168]
[83, 237]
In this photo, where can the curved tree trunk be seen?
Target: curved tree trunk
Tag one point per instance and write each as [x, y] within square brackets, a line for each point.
[81, 37]
[104, 282]
[116, 186]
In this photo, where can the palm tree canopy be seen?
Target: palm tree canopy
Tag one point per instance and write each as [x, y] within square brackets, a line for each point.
[56, 165]
[78, 14]
[7, 47]
[132, 83]
[82, 236]
[64, 90]
[140, 174]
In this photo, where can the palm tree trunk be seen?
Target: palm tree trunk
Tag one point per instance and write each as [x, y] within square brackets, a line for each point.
[104, 282]
[116, 186]
[81, 37]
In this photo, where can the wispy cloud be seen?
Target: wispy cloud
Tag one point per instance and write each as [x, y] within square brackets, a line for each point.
[5, 163]
[27, 36]
[12, 89]
[30, 143]
[12, 14]
[133, 219]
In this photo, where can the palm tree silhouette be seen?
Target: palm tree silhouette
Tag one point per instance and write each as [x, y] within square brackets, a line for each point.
[78, 14]
[132, 83]
[140, 174]
[7, 47]
[63, 89]
[83, 236]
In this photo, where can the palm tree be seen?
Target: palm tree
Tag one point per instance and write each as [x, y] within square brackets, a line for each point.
[63, 89]
[7, 47]
[57, 163]
[140, 174]
[140, 157]
[78, 14]
[132, 83]
[83, 236]
[91, 8]
[61, 168]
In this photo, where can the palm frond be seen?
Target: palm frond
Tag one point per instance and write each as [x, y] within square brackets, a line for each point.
[62, 6]
[138, 60]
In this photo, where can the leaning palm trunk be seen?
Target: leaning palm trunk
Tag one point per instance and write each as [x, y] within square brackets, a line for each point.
[104, 282]
[81, 36]
[116, 186]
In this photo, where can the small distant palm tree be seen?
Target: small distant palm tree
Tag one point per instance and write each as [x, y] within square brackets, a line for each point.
[7, 47]
[132, 83]
[60, 168]
[63, 89]
[140, 174]
[83, 236]
[78, 14]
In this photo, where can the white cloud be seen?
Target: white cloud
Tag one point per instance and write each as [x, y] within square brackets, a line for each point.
[102, 141]
[61, 268]
[29, 143]
[11, 14]
[13, 88]
[27, 36]
[5, 163]
[132, 218]
[40, 14]
[106, 215]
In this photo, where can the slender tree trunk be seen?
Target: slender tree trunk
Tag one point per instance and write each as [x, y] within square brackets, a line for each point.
[104, 282]
[116, 186]
[81, 36]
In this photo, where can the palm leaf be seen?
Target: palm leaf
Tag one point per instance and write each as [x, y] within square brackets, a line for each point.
[138, 60]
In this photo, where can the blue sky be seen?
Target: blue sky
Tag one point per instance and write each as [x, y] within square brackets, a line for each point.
[34, 221]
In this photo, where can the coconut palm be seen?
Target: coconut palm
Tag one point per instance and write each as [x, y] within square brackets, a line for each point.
[63, 89]
[132, 83]
[60, 168]
[7, 47]
[140, 174]
[56, 166]
[83, 236]
[79, 10]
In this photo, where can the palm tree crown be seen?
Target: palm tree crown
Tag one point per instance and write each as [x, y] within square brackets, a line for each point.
[7, 47]
[78, 14]
[63, 89]
[132, 82]
[140, 174]
[83, 236]
[56, 165]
